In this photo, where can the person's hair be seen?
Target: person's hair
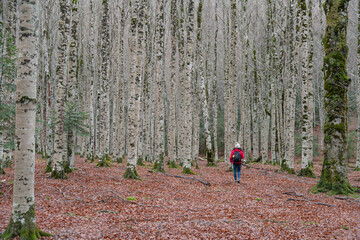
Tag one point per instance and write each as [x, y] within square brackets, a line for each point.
[237, 145]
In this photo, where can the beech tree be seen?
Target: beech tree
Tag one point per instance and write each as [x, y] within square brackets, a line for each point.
[61, 83]
[334, 174]
[22, 222]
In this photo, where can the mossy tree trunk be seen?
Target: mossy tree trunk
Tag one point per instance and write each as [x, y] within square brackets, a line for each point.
[61, 84]
[334, 174]
[22, 222]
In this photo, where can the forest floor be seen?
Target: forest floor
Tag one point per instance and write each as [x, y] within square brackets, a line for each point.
[267, 204]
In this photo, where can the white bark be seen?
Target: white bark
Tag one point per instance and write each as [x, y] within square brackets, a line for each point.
[61, 82]
[23, 194]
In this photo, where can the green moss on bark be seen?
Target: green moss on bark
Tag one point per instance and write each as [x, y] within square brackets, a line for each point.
[334, 172]
[25, 227]
[104, 161]
[307, 172]
[58, 174]
[172, 164]
[159, 164]
[140, 161]
[210, 159]
[285, 167]
[187, 171]
[131, 173]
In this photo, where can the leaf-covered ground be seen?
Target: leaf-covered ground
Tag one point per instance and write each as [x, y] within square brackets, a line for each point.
[267, 204]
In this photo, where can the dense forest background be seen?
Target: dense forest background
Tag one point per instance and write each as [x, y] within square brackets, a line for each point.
[169, 83]
[149, 79]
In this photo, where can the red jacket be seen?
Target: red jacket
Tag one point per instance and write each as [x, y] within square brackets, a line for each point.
[236, 150]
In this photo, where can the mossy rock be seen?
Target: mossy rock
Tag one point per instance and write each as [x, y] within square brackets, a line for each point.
[307, 172]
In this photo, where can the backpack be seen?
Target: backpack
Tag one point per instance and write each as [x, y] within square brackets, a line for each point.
[236, 157]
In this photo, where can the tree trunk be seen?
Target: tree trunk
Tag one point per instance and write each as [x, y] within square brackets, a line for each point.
[172, 90]
[307, 111]
[334, 174]
[187, 105]
[290, 96]
[134, 93]
[159, 146]
[358, 95]
[104, 100]
[61, 84]
[22, 222]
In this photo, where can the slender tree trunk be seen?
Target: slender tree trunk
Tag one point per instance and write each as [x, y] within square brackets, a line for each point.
[8, 76]
[334, 174]
[204, 90]
[104, 100]
[187, 107]
[159, 148]
[290, 96]
[61, 83]
[73, 70]
[307, 112]
[134, 93]
[22, 222]
[172, 90]
[358, 95]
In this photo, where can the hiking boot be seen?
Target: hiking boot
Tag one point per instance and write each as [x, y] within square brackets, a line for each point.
[238, 181]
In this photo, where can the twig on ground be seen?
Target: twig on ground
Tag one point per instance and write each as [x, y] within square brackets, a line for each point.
[304, 200]
[191, 178]
[293, 194]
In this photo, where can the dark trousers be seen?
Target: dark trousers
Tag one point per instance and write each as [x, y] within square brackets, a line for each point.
[237, 171]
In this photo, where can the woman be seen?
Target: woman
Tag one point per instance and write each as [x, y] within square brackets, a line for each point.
[235, 158]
